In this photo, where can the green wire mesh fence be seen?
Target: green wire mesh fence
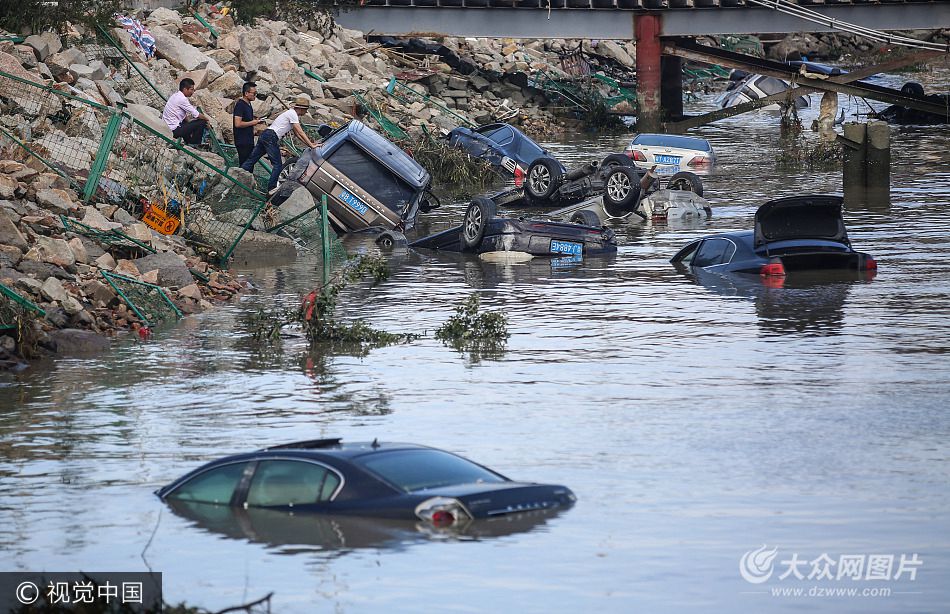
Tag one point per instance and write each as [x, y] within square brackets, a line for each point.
[122, 160]
[11, 305]
[112, 238]
[148, 301]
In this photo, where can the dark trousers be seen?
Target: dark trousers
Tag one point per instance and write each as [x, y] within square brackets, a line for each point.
[190, 131]
[269, 144]
[244, 151]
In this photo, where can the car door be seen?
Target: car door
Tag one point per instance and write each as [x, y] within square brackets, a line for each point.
[289, 483]
[220, 485]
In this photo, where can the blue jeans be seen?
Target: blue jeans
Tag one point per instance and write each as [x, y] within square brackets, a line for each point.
[268, 144]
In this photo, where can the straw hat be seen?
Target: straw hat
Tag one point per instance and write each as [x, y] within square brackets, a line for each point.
[302, 102]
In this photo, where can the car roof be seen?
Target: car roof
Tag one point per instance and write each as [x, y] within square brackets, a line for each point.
[673, 140]
[396, 159]
[335, 447]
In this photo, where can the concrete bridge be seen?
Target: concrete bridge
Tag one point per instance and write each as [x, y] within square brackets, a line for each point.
[651, 23]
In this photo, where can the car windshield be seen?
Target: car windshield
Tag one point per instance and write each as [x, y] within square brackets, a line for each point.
[528, 150]
[412, 470]
[368, 173]
[666, 140]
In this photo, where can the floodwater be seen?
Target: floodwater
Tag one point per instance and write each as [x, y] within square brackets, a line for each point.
[696, 420]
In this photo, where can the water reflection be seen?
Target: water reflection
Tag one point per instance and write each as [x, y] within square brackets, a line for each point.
[290, 531]
[810, 303]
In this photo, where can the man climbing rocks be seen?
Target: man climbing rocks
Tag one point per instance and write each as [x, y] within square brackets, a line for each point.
[178, 109]
[269, 141]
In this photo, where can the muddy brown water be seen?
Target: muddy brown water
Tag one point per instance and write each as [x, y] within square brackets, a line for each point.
[696, 420]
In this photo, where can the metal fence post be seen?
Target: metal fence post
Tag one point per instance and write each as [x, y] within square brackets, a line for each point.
[325, 239]
[102, 156]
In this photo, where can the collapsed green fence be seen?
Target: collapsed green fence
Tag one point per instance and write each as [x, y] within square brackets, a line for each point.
[148, 301]
[119, 159]
[11, 305]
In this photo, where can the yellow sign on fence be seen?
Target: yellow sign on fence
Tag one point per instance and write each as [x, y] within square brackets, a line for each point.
[160, 221]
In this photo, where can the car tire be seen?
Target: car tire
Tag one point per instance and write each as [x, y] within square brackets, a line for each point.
[544, 178]
[476, 220]
[621, 189]
[286, 169]
[913, 88]
[390, 239]
[685, 180]
[612, 160]
[586, 217]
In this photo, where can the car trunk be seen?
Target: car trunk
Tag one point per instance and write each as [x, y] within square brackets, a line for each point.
[800, 217]
[496, 499]
[822, 260]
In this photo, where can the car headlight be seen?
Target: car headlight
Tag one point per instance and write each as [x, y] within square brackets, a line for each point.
[442, 511]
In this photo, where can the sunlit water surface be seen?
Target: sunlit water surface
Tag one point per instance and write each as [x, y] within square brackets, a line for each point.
[695, 420]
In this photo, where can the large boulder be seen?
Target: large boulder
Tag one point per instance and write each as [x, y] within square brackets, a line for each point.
[8, 187]
[171, 268]
[44, 44]
[10, 234]
[59, 63]
[76, 153]
[164, 16]
[53, 251]
[150, 117]
[74, 341]
[280, 66]
[254, 46]
[227, 85]
[182, 55]
[613, 50]
[56, 200]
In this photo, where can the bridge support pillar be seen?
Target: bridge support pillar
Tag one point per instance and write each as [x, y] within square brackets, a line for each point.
[671, 88]
[646, 32]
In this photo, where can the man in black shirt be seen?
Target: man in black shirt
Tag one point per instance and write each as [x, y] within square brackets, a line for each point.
[244, 121]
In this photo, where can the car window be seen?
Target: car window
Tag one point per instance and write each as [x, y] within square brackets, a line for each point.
[368, 173]
[670, 140]
[412, 470]
[714, 251]
[213, 486]
[291, 482]
[771, 85]
[502, 136]
[686, 254]
[528, 150]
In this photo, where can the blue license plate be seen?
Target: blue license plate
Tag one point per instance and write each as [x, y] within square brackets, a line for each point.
[353, 202]
[566, 247]
[660, 159]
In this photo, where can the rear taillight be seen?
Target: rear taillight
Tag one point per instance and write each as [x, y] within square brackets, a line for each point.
[441, 511]
[870, 264]
[698, 161]
[638, 156]
[773, 269]
[519, 177]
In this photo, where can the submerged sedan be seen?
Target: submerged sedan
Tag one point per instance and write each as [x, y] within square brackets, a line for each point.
[671, 153]
[790, 234]
[386, 480]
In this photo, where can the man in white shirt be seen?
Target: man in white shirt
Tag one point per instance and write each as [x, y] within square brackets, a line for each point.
[269, 141]
[178, 109]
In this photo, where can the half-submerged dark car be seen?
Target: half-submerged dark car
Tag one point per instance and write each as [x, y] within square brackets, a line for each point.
[482, 231]
[502, 145]
[368, 181]
[791, 234]
[385, 480]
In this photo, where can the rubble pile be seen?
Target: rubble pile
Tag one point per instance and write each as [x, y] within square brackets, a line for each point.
[60, 270]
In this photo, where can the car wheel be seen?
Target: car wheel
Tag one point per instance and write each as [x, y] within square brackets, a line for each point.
[544, 178]
[684, 180]
[586, 217]
[621, 189]
[613, 160]
[390, 239]
[476, 219]
[286, 169]
[913, 88]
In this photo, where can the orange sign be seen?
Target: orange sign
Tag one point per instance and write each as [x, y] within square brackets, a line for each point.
[160, 221]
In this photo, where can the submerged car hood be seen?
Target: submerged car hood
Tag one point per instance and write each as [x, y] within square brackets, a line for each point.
[800, 217]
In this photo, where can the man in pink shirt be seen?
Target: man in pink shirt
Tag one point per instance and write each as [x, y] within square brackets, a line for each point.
[178, 110]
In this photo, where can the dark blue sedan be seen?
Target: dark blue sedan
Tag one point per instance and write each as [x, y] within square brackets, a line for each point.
[389, 480]
[790, 234]
[502, 145]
